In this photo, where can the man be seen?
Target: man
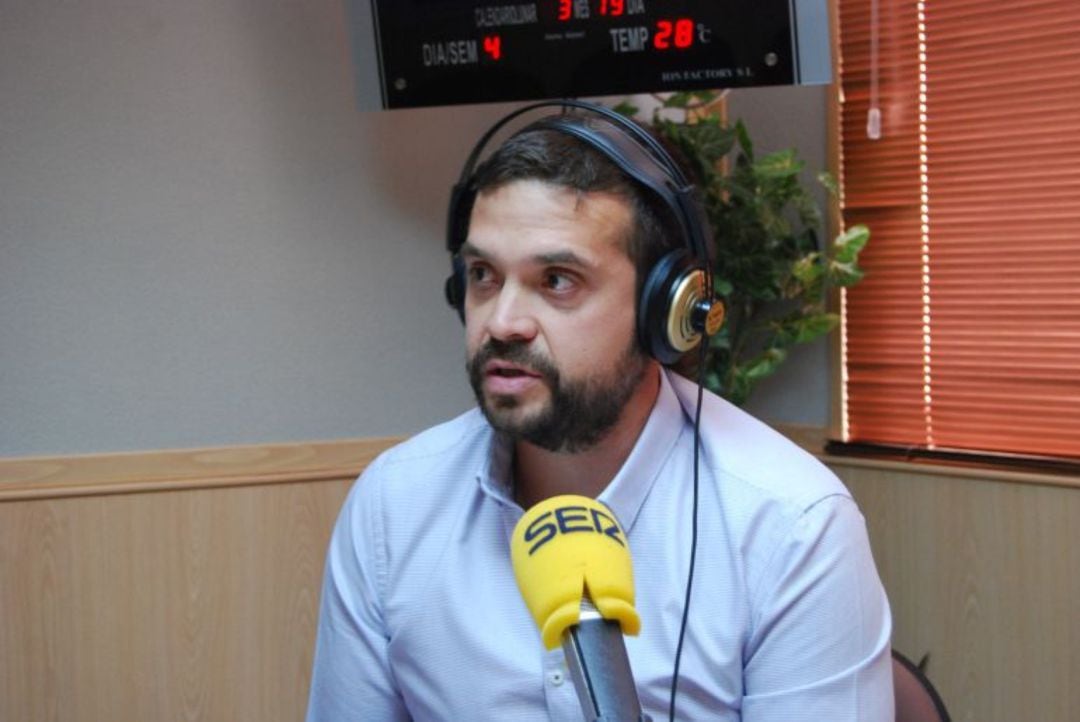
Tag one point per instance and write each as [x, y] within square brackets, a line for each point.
[421, 618]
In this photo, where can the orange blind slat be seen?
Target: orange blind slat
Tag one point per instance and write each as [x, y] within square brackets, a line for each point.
[966, 332]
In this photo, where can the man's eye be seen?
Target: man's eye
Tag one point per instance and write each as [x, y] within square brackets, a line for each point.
[559, 282]
[478, 273]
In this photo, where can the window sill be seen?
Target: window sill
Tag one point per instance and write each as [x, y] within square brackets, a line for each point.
[814, 438]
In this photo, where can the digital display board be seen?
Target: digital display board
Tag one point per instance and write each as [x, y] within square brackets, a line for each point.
[440, 52]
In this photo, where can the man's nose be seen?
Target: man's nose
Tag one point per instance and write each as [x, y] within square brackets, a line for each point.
[512, 315]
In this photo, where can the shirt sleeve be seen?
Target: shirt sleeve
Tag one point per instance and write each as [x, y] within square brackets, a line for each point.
[351, 676]
[820, 645]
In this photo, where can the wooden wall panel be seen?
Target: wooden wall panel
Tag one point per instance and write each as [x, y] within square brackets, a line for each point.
[188, 605]
[179, 585]
[985, 576]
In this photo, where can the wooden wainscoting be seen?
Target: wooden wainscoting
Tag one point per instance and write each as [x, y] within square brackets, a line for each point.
[982, 568]
[177, 585]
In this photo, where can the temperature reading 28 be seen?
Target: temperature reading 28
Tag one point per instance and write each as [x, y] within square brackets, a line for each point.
[668, 33]
[678, 33]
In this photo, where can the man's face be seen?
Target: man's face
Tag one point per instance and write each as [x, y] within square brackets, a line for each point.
[549, 313]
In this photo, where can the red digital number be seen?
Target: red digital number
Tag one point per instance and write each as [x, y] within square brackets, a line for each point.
[680, 33]
[662, 39]
[493, 46]
[684, 33]
[612, 7]
[565, 9]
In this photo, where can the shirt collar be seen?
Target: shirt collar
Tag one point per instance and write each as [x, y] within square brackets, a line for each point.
[627, 491]
[495, 474]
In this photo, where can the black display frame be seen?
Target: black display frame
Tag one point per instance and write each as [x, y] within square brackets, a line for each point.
[432, 52]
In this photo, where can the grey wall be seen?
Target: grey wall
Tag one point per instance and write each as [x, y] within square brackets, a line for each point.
[783, 118]
[202, 242]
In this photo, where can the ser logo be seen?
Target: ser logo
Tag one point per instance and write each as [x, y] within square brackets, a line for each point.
[569, 520]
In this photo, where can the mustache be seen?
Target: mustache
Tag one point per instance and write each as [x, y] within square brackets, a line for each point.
[515, 352]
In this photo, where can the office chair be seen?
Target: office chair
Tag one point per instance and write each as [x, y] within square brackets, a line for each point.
[916, 698]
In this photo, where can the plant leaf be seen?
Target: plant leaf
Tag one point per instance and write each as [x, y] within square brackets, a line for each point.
[780, 164]
[745, 143]
[705, 96]
[829, 182]
[764, 365]
[844, 274]
[738, 386]
[814, 326]
[849, 244]
[678, 100]
[706, 142]
[807, 270]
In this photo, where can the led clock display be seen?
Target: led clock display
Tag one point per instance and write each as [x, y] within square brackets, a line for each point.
[436, 52]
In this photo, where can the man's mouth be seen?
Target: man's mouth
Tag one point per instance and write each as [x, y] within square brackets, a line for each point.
[508, 370]
[505, 378]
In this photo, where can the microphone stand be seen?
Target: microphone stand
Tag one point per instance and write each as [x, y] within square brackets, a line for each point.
[596, 656]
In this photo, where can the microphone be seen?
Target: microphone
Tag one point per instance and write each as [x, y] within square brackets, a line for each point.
[572, 564]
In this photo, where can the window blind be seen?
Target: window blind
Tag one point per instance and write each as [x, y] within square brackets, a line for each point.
[965, 333]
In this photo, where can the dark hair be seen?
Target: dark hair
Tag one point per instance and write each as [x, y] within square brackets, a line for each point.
[561, 159]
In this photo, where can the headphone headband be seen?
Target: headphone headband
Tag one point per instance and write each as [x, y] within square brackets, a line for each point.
[622, 121]
[622, 141]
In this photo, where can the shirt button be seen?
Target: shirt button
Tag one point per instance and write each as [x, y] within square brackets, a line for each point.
[556, 677]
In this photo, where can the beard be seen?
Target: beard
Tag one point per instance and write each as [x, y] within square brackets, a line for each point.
[578, 413]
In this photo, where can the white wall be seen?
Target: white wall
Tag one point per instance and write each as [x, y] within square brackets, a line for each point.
[202, 242]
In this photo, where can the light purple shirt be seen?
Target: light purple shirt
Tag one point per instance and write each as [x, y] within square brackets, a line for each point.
[421, 618]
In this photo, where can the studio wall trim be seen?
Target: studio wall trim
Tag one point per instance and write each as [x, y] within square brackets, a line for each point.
[154, 471]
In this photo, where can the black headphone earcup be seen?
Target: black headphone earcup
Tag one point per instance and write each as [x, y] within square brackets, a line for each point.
[457, 228]
[666, 304]
[454, 288]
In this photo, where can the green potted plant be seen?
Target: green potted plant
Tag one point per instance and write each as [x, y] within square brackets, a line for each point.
[769, 266]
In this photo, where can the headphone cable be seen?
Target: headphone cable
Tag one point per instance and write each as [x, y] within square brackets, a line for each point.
[693, 525]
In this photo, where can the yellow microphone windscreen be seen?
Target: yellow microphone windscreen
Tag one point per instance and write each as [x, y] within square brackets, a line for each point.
[567, 545]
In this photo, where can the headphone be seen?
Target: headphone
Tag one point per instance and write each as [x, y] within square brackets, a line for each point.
[676, 303]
